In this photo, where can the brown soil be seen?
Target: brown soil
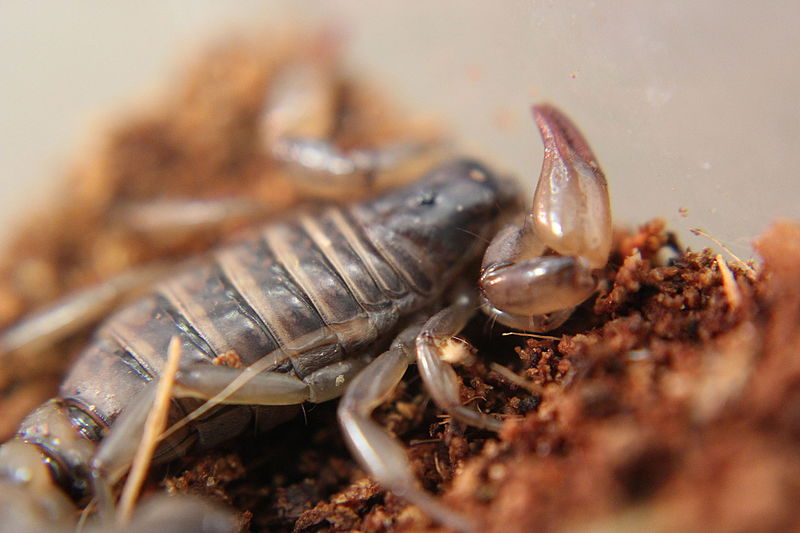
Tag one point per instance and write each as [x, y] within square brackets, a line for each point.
[670, 402]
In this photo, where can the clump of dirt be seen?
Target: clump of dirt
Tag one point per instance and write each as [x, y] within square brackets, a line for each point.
[668, 402]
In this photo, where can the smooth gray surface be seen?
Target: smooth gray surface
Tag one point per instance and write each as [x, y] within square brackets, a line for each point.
[687, 104]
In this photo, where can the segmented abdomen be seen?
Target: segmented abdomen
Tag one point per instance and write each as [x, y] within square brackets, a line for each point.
[319, 281]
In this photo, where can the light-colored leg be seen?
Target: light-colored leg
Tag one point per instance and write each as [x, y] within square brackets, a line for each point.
[267, 388]
[382, 455]
[322, 169]
[181, 514]
[205, 382]
[439, 377]
[299, 127]
[176, 217]
[264, 388]
[217, 385]
[116, 451]
[76, 311]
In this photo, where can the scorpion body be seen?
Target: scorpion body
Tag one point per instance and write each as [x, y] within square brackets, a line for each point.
[318, 306]
[322, 295]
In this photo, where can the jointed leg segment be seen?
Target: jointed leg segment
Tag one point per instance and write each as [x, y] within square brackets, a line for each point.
[299, 125]
[217, 385]
[439, 377]
[381, 454]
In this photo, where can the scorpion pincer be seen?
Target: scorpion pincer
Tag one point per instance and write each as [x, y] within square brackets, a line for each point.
[339, 302]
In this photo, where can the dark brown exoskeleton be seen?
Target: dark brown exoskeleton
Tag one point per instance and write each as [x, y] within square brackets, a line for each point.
[326, 303]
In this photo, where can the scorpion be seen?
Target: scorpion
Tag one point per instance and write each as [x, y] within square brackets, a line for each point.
[334, 303]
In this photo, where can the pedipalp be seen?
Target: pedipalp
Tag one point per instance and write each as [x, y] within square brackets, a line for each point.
[524, 285]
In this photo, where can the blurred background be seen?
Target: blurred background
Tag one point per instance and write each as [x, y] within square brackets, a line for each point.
[691, 107]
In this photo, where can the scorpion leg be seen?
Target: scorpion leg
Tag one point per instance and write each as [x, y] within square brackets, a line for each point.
[112, 460]
[439, 377]
[265, 388]
[172, 218]
[76, 311]
[180, 514]
[217, 385]
[116, 451]
[381, 454]
[204, 382]
[521, 285]
[324, 170]
[300, 120]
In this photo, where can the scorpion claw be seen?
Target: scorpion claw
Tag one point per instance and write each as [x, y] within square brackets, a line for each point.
[571, 209]
[523, 285]
[538, 286]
